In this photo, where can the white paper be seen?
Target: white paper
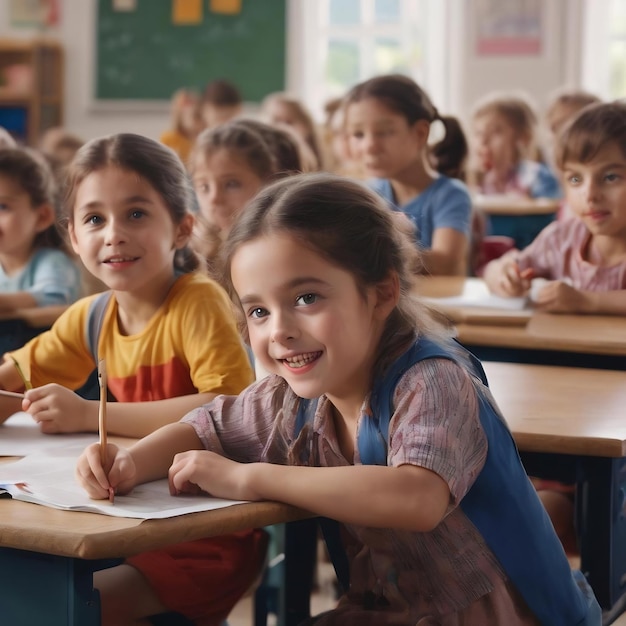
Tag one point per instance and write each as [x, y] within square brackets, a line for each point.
[48, 478]
[476, 294]
[20, 435]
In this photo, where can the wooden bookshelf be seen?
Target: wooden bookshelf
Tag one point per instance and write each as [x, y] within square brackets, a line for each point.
[31, 87]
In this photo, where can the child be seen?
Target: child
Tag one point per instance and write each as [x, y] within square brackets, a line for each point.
[504, 129]
[221, 102]
[229, 164]
[338, 158]
[60, 145]
[564, 106]
[584, 258]
[186, 123]
[35, 265]
[283, 110]
[321, 273]
[388, 120]
[170, 343]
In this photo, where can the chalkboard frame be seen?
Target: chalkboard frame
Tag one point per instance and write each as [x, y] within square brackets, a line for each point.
[134, 64]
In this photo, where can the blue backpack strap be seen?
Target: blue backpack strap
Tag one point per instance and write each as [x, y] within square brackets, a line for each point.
[546, 582]
[555, 595]
[95, 317]
[374, 432]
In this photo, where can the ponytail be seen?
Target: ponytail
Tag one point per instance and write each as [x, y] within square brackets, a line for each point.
[448, 155]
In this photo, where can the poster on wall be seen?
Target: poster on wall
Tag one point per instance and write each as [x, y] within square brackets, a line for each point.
[508, 27]
[38, 13]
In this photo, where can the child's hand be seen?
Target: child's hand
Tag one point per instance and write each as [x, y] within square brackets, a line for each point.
[559, 297]
[119, 473]
[506, 279]
[199, 470]
[59, 410]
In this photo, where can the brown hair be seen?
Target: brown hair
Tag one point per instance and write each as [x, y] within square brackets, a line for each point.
[301, 113]
[251, 142]
[34, 175]
[566, 104]
[221, 92]
[352, 228]
[404, 96]
[515, 109]
[155, 163]
[282, 143]
[593, 128]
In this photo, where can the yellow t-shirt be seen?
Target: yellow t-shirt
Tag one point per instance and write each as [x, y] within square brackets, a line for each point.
[191, 345]
[178, 142]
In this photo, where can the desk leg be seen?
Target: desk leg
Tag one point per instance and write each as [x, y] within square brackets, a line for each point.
[602, 516]
[46, 589]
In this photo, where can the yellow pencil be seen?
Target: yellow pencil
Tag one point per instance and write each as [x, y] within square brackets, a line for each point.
[102, 417]
[27, 383]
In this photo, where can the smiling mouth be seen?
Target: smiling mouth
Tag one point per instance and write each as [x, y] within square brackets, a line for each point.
[301, 360]
[121, 259]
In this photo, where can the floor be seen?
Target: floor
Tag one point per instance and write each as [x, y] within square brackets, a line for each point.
[321, 600]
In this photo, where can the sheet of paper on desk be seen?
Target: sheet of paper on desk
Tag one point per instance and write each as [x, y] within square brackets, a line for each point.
[47, 478]
[475, 293]
[20, 435]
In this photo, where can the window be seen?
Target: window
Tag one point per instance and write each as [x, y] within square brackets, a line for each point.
[346, 41]
[604, 49]
[617, 49]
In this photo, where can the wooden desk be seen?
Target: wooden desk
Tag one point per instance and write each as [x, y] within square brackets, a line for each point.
[531, 337]
[520, 218]
[48, 556]
[570, 424]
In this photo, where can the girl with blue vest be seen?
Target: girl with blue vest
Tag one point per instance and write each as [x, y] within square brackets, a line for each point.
[371, 416]
[388, 120]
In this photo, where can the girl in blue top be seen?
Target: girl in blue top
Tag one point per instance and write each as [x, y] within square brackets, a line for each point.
[388, 122]
[35, 267]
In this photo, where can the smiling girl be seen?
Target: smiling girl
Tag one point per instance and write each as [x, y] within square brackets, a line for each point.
[170, 342]
[323, 276]
[583, 258]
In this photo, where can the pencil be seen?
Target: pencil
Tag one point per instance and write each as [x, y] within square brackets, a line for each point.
[11, 394]
[102, 418]
[27, 383]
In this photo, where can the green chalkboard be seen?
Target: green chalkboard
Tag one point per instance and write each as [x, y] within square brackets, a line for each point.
[142, 55]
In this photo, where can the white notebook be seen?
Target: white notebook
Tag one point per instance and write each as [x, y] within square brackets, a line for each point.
[47, 478]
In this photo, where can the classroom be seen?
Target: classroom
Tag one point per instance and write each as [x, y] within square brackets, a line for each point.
[312, 312]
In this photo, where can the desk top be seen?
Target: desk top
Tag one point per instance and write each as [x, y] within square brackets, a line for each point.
[40, 528]
[560, 409]
[91, 536]
[515, 206]
[525, 329]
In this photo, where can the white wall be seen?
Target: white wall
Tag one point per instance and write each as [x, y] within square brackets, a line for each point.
[470, 76]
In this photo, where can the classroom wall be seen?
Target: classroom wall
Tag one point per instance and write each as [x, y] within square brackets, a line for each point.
[470, 76]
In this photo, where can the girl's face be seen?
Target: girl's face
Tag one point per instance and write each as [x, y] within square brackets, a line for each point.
[596, 191]
[124, 233]
[308, 322]
[381, 139]
[20, 222]
[496, 142]
[224, 183]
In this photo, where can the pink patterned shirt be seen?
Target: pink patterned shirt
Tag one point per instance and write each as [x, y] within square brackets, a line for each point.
[561, 251]
[397, 577]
